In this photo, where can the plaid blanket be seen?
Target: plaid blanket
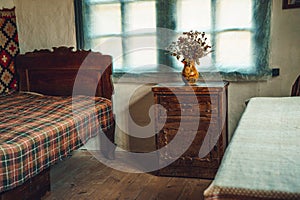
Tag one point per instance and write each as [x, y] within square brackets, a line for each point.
[36, 131]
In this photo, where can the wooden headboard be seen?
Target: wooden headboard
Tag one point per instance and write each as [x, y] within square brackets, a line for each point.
[54, 72]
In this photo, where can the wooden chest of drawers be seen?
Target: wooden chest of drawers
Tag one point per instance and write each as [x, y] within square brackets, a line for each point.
[199, 112]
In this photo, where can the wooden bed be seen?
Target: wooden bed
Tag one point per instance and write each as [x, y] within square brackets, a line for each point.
[52, 73]
[262, 160]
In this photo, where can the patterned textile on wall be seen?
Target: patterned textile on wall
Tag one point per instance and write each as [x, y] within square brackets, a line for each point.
[9, 49]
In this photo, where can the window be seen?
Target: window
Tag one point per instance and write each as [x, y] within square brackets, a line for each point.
[130, 30]
[119, 28]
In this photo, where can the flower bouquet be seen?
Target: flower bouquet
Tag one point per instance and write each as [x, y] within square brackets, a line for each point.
[189, 48]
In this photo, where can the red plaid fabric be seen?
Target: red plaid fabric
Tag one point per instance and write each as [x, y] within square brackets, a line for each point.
[36, 131]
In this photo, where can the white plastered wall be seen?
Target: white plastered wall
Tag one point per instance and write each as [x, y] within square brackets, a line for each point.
[43, 24]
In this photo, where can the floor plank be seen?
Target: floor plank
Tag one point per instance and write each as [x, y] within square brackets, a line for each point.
[172, 189]
[84, 177]
[151, 191]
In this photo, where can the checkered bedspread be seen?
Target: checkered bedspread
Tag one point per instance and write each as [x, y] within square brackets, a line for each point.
[36, 131]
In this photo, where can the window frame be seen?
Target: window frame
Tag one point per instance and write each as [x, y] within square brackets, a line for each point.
[166, 9]
[83, 43]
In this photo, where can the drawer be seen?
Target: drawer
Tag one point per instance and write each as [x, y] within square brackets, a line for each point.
[187, 105]
[188, 99]
[191, 154]
[207, 105]
[167, 134]
[171, 124]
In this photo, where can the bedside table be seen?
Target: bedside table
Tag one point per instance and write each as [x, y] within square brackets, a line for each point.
[200, 110]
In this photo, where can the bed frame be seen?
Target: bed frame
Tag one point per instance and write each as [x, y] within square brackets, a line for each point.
[53, 73]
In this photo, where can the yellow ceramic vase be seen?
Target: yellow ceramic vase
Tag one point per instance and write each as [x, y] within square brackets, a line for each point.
[190, 73]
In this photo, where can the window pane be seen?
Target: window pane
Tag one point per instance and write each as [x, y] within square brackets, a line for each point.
[110, 46]
[140, 15]
[234, 49]
[97, 1]
[141, 52]
[105, 19]
[234, 14]
[194, 15]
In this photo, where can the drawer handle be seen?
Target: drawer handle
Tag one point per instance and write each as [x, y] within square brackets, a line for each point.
[205, 159]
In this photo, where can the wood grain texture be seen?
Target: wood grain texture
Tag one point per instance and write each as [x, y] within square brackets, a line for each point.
[54, 72]
[33, 188]
[181, 105]
[84, 177]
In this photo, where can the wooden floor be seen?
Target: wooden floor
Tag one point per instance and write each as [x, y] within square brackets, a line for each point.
[84, 177]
